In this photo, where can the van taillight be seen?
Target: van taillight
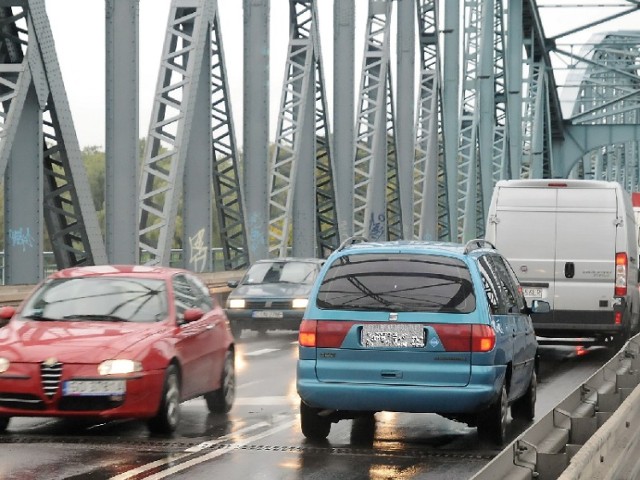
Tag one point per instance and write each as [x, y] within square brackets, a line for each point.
[466, 338]
[618, 318]
[323, 334]
[620, 289]
[483, 338]
[307, 333]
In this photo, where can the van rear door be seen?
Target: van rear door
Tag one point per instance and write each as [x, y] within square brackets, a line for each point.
[524, 230]
[585, 248]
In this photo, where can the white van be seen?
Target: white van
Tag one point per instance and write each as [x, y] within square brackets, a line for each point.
[572, 243]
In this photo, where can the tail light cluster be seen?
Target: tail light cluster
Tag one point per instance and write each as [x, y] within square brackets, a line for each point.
[622, 264]
[454, 338]
[466, 338]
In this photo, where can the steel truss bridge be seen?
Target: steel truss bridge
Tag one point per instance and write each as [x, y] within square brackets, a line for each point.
[410, 157]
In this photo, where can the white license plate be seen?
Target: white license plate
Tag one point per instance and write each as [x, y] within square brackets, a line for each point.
[392, 335]
[267, 314]
[532, 292]
[94, 387]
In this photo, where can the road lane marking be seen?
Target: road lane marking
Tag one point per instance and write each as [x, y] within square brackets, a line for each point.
[261, 352]
[190, 451]
[224, 438]
[218, 453]
[252, 401]
[202, 458]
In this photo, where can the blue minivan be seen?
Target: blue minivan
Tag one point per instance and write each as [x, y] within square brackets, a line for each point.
[416, 326]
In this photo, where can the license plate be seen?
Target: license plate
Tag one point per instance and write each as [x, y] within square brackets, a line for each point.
[392, 335]
[94, 387]
[532, 292]
[267, 314]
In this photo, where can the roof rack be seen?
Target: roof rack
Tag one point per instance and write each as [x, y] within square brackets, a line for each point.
[477, 243]
[351, 240]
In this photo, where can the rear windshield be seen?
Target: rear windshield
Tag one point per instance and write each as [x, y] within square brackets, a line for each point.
[399, 283]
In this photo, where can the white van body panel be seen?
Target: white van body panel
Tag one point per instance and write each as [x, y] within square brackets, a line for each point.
[561, 237]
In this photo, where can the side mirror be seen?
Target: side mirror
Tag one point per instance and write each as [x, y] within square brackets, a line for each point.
[232, 283]
[7, 312]
[192, 314]
[540, 306]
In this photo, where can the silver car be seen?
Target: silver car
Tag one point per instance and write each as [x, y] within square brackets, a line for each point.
[272, 295]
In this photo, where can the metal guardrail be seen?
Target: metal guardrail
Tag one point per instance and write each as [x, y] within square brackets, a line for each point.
[175, 260]
[216, 281]
[581, 437]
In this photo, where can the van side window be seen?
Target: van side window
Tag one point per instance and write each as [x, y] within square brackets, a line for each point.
[506, 285]
[522, 302]
[490, 284]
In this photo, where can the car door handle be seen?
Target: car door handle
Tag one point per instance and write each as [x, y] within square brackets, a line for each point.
[569, 269]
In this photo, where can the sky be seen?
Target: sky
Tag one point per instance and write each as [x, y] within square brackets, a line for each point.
[80, 46]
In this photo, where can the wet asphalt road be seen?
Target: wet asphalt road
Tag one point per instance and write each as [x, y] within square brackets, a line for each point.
[260, 438]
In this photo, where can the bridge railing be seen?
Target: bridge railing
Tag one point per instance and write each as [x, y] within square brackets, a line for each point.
[50, 266]
[586, 435]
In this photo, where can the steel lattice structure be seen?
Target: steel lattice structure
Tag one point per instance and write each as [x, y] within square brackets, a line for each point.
[191, 81]
[302, 154]
[370, 165]
[39, 147]
[493, 114]
[603, 90]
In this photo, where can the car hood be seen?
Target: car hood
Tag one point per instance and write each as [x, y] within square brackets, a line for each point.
[70, 342]
[271, 290]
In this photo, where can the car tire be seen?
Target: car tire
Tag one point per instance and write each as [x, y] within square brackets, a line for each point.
[525, 407]
[166, 420]
[621, 338]
[4, 423]
[236, 330]
[492, 423]
[314, 427]
[221, 400]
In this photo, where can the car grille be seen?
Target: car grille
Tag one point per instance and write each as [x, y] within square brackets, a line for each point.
[21, 401]
[50, 374]
[275, 304]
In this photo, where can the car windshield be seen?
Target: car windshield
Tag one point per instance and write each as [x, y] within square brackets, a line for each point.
[101, 298]
[281, 272]
[399, 282]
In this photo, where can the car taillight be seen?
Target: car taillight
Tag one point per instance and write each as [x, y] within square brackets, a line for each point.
[466, 338]
[323, 334]
[307, 334]
[620, 289]
[483, 338]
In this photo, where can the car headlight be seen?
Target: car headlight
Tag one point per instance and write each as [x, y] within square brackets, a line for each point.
[236, 303]
[300, 302]
[4, 364]
[119, 367]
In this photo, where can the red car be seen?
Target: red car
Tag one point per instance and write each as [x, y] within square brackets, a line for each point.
[116, 341]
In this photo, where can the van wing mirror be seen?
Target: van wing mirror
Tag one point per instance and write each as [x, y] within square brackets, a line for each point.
[540, 306]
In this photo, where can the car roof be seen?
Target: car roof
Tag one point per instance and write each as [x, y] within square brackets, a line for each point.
[291, 259]
[148, 271]
[419, 246]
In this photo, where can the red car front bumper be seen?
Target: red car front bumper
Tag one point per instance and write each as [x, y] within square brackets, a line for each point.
[26, 390]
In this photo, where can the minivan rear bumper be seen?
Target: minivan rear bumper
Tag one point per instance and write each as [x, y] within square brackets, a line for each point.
[484, 386]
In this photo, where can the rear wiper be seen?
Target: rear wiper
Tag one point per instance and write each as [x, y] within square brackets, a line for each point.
[105, 317]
